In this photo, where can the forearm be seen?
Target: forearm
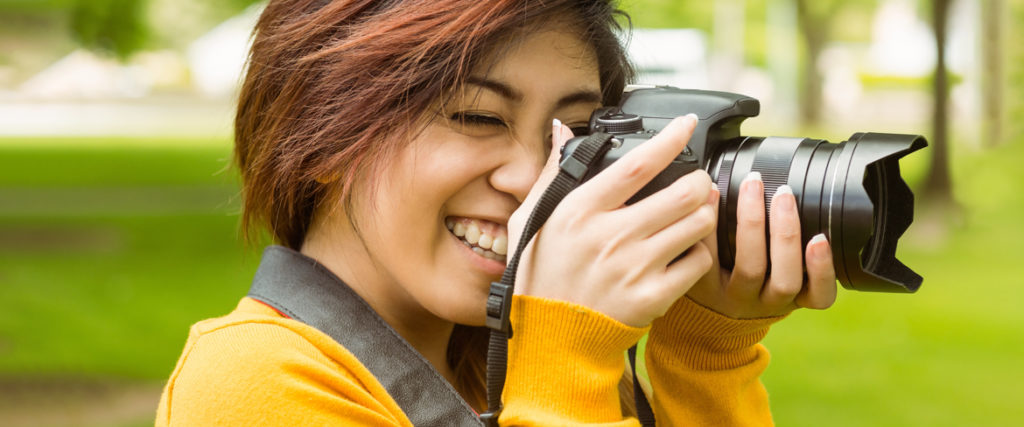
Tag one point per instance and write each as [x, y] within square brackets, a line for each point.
[705, 368]
[565, 363]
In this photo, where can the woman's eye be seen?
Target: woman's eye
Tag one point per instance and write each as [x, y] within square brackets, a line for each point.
[476, 120]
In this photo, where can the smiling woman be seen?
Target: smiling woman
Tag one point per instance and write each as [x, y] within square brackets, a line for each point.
[393, 149]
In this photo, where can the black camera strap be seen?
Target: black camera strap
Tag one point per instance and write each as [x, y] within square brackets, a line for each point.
[571, 172]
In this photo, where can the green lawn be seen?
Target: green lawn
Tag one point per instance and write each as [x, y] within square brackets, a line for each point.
[109, 249]
[108, 253]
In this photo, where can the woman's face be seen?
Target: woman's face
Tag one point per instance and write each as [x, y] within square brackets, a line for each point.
[433, 235]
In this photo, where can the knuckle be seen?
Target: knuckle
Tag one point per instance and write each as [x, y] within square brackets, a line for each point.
[634, 168]
[785, 289]
[749, 272]
[707, 218]
[786, 233]
[749, 219]
[701, 178]
[703, 254]
[652, 299]
[821, 305]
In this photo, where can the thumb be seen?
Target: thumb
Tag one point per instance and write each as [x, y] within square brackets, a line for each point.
[559, 135]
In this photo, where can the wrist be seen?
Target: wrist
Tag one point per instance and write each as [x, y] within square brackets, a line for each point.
[704, 339]
[565, 357]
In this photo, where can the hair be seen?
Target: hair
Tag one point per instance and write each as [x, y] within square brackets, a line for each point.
[328, 80]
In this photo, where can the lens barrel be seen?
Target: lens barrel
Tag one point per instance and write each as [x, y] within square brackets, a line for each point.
[851, 191]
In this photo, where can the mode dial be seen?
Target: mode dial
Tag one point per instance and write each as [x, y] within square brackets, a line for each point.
[617, 122]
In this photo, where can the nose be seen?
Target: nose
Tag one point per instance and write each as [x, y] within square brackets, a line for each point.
[520, 167]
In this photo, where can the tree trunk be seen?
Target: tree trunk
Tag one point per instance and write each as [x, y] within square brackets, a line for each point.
[813, 30]
[938, 186]
[992, 81]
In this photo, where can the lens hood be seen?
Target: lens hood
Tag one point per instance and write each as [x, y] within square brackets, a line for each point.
[867, 216]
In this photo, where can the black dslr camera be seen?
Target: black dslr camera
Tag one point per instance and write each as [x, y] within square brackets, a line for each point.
[851, 191]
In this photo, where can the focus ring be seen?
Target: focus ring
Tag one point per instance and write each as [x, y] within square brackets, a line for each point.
[772, 161]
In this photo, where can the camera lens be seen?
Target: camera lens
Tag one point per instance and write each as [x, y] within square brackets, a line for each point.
[851, 191]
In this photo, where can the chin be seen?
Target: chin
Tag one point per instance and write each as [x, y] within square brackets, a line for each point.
[464, 311]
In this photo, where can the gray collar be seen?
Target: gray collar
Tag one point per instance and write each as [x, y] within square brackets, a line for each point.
[305, 290]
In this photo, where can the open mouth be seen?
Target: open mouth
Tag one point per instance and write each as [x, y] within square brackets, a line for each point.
[484, 238]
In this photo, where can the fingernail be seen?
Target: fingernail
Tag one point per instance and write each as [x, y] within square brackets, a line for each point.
[753, 176]
[786, 207]
[556, 124]
[818, 238]
[694, 117]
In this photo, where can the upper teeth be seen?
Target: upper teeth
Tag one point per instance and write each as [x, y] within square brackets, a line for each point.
[471, 232]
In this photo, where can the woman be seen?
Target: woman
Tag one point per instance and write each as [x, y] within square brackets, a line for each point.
[395, 149]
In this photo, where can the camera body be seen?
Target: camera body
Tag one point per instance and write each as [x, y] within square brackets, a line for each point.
[851, 191]
[644, 112]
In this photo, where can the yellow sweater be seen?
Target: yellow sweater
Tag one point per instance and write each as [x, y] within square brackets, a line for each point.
[255, 367]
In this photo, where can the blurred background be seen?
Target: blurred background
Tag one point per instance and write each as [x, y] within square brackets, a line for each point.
[119, 206]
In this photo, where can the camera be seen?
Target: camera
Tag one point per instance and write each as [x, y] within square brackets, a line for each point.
[851, 191]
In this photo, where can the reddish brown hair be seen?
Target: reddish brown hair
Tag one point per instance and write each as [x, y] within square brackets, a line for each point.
[328, 79]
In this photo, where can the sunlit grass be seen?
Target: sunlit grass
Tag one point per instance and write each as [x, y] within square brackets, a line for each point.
[948, 355]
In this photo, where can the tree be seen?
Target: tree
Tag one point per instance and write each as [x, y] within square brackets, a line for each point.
[114, 27]
[938, 188]
[817, 21]
[813, 18]
[993, 83]
[110, 26]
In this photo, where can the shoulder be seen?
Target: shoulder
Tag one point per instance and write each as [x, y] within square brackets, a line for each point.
[251, 366]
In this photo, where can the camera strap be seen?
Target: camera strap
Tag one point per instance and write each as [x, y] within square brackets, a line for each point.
[571, 172]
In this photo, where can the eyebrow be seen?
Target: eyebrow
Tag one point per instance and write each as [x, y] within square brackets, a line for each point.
[505, 91]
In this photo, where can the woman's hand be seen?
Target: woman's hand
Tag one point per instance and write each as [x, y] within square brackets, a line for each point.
[597, 252]
[745, 292]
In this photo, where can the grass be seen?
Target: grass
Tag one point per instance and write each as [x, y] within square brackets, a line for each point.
[946, 356]
[108, 254]
[109, 250]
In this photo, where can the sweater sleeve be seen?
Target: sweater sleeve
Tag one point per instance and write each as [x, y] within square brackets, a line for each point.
[705, 368]
[565, 363]
[263, 373]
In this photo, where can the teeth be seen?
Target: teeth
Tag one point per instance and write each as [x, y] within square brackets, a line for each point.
[500, 245]
[477, 240]
[485, 241]
[472, 233]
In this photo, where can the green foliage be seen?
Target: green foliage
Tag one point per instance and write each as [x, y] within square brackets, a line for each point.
[670, 13]
[118, 27]
[110, 26]
[35, 5]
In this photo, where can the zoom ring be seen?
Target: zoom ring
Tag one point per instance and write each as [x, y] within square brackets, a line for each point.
[774, 174]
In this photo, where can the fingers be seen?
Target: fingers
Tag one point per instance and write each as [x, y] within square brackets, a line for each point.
[711, 241]
[820, 291]
[786, 250]
[681, 236]
[610, 188]
[689, 268]
[751, 262]
[559, 135]
[669, 204]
